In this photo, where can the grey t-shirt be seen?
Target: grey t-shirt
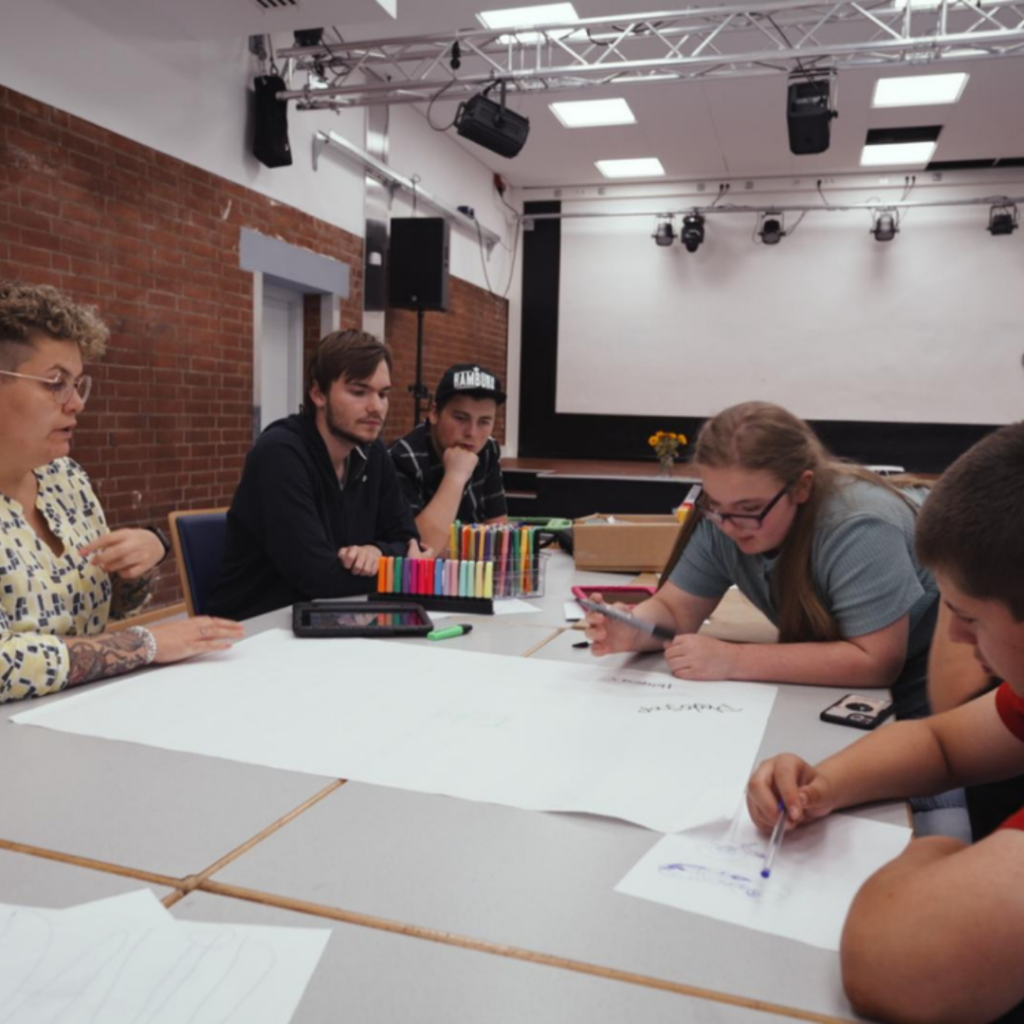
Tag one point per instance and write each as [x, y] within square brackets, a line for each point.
[864, 568]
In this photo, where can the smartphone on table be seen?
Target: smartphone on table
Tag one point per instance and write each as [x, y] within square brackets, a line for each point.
[858, 712]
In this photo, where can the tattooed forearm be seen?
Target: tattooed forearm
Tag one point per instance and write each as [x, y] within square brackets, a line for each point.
[130, 595]
[100, 657]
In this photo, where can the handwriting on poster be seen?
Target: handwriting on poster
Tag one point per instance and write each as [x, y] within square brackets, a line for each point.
[694, 707]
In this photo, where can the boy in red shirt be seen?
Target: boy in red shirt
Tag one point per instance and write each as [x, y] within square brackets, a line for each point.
[937, 935]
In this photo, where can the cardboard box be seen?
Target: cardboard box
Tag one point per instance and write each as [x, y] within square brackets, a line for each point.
[622, 543]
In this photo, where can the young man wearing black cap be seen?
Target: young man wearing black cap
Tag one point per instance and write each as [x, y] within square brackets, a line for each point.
[450, 464]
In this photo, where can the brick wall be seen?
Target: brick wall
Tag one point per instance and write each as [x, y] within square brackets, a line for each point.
[153, 241]
[474, 329]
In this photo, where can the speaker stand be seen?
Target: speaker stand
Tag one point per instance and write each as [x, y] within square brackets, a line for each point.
[418, 389]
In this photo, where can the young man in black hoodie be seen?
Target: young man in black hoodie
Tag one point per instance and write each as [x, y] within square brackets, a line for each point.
[319, 501]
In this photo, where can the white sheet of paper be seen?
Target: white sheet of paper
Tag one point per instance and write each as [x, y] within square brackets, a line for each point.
[573, 612]
[542, 735]
[138, 907]
[817, 872]
[513, 606]
[93, 963]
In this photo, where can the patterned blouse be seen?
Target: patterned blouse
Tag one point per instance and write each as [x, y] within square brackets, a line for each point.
[42, 595]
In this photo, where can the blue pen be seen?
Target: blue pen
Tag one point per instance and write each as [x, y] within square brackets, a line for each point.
[775, 841]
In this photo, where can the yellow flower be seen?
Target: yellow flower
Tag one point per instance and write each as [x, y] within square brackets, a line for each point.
[666, 443]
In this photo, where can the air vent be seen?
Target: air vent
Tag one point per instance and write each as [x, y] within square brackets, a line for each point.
[276, 5]
[896, 136]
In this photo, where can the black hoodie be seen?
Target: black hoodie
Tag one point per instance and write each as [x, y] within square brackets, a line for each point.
[289, 517]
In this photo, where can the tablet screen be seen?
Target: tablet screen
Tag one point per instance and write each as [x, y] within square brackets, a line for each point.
[331, 619]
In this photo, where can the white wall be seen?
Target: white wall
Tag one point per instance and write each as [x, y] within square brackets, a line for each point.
[830, 323]
[449, 172]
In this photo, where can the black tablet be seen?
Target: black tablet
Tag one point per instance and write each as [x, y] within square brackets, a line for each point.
[374, 618]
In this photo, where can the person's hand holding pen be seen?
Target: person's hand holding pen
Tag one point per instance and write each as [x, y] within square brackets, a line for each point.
[613, 629]
[605, 635]
[805, 792]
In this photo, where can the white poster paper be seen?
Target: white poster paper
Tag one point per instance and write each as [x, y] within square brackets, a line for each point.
[642, 746]
[118, 962]
[816, 874]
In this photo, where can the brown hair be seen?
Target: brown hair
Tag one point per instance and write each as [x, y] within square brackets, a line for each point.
[970, 524]
[32, 312]
[762, 436]
[352, 354]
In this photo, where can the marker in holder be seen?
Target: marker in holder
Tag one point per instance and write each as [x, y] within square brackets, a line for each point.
[466, 584]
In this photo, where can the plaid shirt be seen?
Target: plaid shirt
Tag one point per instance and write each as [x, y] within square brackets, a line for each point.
[421, 471]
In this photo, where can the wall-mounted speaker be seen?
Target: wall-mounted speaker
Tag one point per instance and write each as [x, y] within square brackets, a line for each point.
[418, 263]
[270, 138]
[808, 115]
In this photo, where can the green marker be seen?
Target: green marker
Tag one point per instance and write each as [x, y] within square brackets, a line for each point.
[451, 631]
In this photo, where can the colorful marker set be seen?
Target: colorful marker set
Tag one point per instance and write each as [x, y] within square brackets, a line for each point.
[511, 547]
[443, 577]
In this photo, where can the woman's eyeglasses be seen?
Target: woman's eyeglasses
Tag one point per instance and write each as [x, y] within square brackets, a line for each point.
[60, 386]
[747, 520]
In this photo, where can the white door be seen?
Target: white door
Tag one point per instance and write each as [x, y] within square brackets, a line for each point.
[279, 362]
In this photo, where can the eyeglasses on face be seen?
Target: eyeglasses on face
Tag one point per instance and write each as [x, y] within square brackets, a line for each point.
[60, 386]
[747, 520]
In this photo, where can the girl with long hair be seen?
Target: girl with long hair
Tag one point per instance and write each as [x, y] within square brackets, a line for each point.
[824, 548]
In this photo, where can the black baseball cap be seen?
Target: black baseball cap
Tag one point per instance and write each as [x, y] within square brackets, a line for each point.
[468, 379]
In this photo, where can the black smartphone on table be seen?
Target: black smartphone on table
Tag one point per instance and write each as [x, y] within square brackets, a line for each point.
[858, 712]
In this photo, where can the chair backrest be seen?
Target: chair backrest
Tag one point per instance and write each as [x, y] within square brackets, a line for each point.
[198, 538]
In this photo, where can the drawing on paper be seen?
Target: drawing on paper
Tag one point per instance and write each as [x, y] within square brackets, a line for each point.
[732, 850]
[207, 976]
[711, 876]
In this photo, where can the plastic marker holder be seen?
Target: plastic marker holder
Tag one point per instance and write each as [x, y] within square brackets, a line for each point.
[502, 563]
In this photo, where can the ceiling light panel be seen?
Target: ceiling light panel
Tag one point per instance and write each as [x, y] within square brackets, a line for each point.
[898, 154]
[919, 90]
[641, 167]
[526, 17]
[593, 113]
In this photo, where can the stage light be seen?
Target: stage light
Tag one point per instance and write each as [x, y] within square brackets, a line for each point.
[1002, 220]
[772, 228]
[491, 124]
[664, 233]
[884, 225]
[692, 233]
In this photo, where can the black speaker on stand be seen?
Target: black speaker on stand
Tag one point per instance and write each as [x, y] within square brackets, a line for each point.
[418, 279]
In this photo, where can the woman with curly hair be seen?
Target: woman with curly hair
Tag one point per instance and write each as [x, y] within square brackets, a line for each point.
[63, 573]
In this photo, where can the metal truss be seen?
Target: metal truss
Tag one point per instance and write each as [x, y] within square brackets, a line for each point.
[693, 43]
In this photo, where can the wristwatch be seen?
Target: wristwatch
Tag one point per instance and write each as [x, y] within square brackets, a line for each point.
[163, 538]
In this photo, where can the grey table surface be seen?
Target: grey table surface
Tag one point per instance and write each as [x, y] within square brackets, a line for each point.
[31, 881]
[540, 882]
[135, 806]
[368, 975]
[545, 882]
[158, 810]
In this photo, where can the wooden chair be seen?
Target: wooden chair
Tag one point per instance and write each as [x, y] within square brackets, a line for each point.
[198, 537]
